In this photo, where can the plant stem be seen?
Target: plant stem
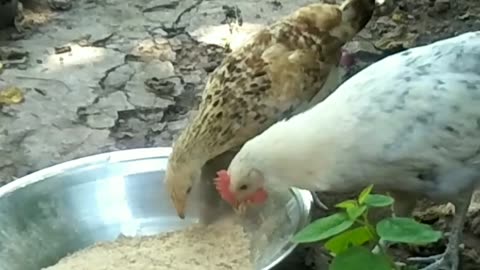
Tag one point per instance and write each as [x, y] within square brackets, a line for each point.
[372, 231]
[370, 228]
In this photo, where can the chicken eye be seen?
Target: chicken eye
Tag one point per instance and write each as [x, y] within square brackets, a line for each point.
[243, 187]
[189, 189]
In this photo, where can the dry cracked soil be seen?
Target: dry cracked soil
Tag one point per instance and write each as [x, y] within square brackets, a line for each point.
[104, 75]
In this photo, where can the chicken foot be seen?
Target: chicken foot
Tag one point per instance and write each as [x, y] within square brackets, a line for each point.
[449, 260]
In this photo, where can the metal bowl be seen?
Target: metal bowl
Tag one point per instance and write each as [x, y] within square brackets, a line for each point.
[59, 210]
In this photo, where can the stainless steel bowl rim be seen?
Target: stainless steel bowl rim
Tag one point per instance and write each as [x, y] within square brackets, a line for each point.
[304, 196]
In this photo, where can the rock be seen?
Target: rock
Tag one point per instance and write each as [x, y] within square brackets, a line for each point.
[136, 90]
[104, 113]
[62, 144]
[193, 78]
[171, 86]
[158, 127]
[116, 101]
[166, 136]
[398, 39]
[149, 100]
[148, 50]
[101, 121]
[361, 47]
[175, 43]
[175, 126]
[117, 78]
[137, 125]
[159, 31]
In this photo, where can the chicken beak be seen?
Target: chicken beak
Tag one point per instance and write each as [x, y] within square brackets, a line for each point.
[180, 205]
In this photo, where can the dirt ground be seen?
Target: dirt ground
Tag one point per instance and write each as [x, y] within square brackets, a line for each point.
[103, 75]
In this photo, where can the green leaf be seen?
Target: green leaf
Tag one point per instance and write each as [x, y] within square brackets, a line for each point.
[323, 228]
[377, 200]
[352, 237]
[364, 194]
[360, 258]
[355, 212]
[407, 230]
[347, 204]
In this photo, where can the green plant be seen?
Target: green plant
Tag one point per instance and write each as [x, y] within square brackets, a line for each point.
[351, 236]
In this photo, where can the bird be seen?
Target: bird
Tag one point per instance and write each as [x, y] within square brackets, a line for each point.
[409, 123]
[283, 69]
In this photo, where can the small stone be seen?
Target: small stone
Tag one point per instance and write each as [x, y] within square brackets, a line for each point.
[110, 104]
[167, 136]
[62, 49]
[175, 43]
[119, 77]
[159, 31]
[171, 86]
[135, 87]
[137, 125]
[61, 5]
[149, 100]
[148, 50]
[100, 121]
[192, 78]
[362, 46]
[158, 127]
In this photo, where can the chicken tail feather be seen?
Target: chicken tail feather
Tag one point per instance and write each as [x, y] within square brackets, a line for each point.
[355, 16]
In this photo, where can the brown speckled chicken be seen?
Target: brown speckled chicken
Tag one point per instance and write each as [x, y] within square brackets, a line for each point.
[282, 70]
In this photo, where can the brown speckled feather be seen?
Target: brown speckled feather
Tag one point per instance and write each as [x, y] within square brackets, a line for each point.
[280, 69]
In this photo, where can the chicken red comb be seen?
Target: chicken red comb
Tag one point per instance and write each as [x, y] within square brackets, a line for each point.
[222, 183]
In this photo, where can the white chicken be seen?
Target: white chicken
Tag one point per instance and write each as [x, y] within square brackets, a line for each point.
[408, 123]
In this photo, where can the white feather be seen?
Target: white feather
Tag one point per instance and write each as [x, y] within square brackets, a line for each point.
[407, 121]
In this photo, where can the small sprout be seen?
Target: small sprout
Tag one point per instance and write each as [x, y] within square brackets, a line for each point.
[351, 235]
[407, 230]
[360, 258]
[377, 200]
[363, 195]
[347, 239]
[324, 228]
[347, 204]
[355, 212]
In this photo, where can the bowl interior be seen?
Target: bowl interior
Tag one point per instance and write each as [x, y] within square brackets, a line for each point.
[65, 208]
